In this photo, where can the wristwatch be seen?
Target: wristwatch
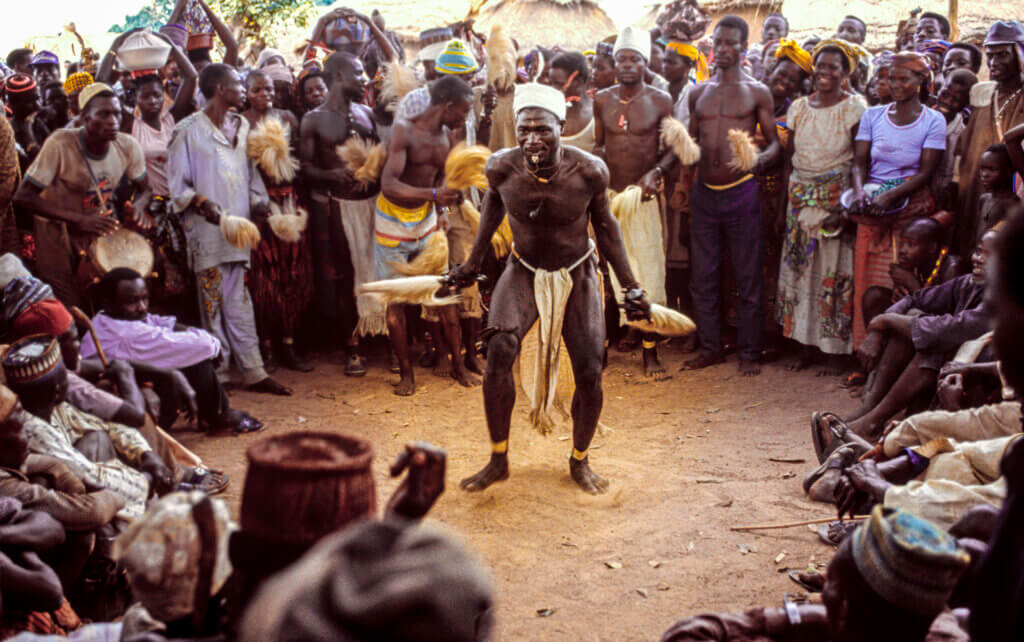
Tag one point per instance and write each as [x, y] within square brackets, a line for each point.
[633, 294]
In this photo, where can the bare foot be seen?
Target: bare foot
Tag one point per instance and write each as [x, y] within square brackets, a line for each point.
[270, 387]
[803, 361]
[703, 361]
[466, 378]
[405, 387]
[496, 470]
[473, 363]
[653, 369]
[749, 368]
[833, 367]
[585, 478]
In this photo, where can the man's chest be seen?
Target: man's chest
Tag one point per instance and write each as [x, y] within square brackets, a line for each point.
[729, 102]
[560, 200]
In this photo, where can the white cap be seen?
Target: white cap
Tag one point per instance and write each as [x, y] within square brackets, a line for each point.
[534, 94]
[634, 39]
[431, 52]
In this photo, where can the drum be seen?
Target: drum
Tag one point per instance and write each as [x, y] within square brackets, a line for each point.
[120, 248]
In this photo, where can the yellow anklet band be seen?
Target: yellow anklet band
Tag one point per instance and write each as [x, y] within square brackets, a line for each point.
[499, 447]
[649, 345]
[579, 456]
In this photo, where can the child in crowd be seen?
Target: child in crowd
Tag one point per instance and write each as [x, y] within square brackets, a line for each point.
[995, 174]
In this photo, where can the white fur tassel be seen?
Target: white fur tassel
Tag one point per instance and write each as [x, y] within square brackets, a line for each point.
[743, 150]
[240, 232]
[288, 222]
[398, 81]
[666, 322]
[269, 146]
[363, 159]
[501, 59]
[413, 290]
[676, 137]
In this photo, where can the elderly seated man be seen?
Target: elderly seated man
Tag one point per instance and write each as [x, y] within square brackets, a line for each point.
[906, 347]
[891, 581]
[126, 330]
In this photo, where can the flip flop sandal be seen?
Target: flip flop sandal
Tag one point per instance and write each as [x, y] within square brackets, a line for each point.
[835, 532]
[247, 425]
[807, 586]
[830, 462]
[854, 380]
[844, 435]
[355, 367]
[817, 438]
[211, 482]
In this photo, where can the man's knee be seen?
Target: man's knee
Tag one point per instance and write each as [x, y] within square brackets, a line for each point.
[502, 349]
[875, 301]
[587, 375]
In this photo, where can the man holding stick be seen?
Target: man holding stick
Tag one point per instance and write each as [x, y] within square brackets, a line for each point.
[551, 194]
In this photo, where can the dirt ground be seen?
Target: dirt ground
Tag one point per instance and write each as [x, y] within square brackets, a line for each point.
[687, 459]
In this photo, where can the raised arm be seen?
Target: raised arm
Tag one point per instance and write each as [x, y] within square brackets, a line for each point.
[224, 33]
[182, 106]
[105, 73]
[387, 51]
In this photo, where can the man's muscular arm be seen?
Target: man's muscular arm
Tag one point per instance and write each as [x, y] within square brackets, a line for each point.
[491, 215]
[606, 228]
[766, 119]
[391, 184]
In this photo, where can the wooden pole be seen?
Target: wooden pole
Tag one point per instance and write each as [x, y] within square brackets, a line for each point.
[954, 21]
[808, 522]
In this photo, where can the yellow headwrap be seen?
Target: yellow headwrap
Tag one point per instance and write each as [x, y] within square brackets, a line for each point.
[792, 51]
[849, 50]
[686, 50]
[77, 82]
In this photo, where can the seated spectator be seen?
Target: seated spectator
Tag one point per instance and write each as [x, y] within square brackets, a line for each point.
[890, 581]
[29, 589]
[898, 147]
[63, 497]
[127, 331]
[906, 347]
[34, 371]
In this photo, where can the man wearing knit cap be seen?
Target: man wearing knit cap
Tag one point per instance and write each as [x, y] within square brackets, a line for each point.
[725, 199]
[627, 128]
[551, 195]
[70, 189]
[30, 130]
[889, 581]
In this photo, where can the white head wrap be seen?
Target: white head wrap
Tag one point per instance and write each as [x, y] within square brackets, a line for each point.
[534, 94]
[634, 39]
[414, 104]
[266, 55]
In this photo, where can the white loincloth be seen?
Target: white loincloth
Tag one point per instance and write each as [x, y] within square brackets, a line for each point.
[551, 290]
[357, 221]
[643, 236]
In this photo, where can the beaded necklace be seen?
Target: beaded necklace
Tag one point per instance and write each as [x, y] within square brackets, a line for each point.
[938, 265]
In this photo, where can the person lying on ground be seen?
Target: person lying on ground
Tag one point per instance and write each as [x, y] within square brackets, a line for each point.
[890, 581]
[126, 330]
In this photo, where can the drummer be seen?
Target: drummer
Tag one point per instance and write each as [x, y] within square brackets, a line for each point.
[70, 189]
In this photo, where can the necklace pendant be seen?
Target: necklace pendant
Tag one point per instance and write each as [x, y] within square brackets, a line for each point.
[623, 123]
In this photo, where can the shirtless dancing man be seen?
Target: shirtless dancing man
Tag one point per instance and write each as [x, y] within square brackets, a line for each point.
[725, 201]
[550, 193]
[412, 203]
[627, 126]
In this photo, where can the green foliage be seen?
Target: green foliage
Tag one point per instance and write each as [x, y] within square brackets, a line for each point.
[154, 15]
[261, 19]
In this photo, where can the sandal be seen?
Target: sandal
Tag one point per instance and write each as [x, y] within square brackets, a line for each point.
[835, 532]
[815, 587]
[841, 434]
[355, 367]
[854, 380]
[211, 482]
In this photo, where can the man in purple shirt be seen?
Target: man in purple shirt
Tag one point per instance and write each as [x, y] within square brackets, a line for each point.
[127, 331]
[906, 347]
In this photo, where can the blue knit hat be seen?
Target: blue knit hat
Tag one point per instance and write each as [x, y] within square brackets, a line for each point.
[456, 60]
[908, 560]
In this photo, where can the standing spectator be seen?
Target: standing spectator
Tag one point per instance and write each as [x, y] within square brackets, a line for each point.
[29, 129]
[815, 298]
[898, 149]
[209, 172]
[951, 101]
[10, 176]
[19, 60]
[996, 108]
[45, 67]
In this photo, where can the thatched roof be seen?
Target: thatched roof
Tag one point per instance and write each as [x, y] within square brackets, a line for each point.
[717, 9]
[570, 24]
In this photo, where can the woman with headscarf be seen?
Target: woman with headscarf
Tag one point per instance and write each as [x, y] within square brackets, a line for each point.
[815, 294]
[789, 69]
[899, 147]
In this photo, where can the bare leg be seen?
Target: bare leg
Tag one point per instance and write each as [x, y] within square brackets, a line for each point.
[452, 340]
[513, 312]
[440, 355]
[914, 381]
[583, 333]
[470, 331]
[400, 348]
[899, 352]
[652, 365]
